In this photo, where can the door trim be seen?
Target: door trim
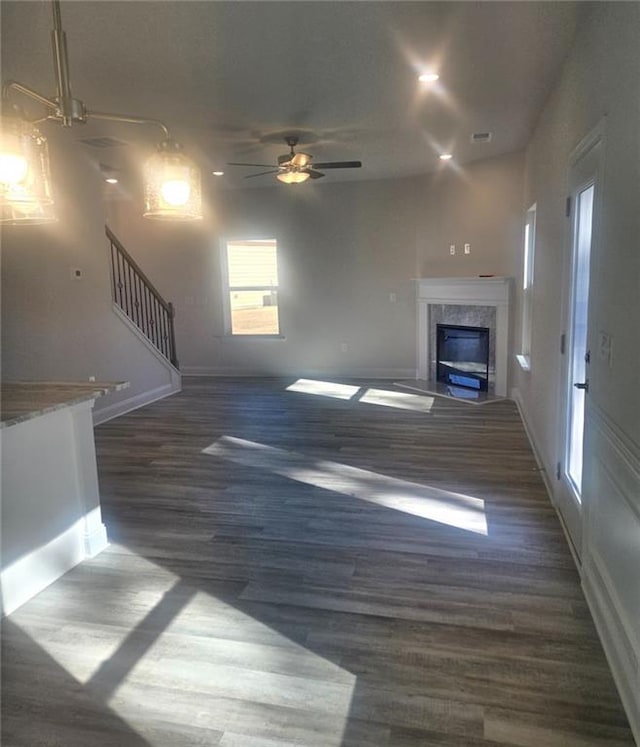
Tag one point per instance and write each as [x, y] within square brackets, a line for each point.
[574, 515]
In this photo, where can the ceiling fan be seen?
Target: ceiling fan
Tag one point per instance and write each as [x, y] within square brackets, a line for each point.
[294, 168]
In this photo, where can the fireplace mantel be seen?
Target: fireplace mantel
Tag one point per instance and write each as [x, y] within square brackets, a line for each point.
[478, 291]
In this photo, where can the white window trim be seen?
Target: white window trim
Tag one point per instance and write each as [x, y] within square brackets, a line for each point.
[226, 290]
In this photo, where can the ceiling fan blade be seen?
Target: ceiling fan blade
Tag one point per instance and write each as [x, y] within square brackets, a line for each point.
[263, 165]
[262, 173]
[313, 174]
[338, 165]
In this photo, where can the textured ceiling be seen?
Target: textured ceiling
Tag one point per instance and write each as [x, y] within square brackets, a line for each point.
[232, 78]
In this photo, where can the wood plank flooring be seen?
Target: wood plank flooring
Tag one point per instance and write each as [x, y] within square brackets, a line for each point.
[288, 568]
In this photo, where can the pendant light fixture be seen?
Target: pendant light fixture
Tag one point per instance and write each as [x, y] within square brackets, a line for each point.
[171, 185]
[172, 180]
[25, 180]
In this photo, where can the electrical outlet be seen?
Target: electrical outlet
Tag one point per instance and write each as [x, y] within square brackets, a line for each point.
[344, 347]
[92, 378]
[467, 248]
[452, 249]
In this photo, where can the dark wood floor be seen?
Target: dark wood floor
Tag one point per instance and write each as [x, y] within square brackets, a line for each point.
[295, 569]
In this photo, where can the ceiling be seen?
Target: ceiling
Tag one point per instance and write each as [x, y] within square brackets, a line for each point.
[231, 79]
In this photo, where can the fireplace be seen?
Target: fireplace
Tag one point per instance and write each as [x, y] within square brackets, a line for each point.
[474, 302]
[462, 356]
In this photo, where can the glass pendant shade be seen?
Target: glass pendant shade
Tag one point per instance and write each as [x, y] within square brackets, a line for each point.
[172, 189]
[25, 176]
[293, 177]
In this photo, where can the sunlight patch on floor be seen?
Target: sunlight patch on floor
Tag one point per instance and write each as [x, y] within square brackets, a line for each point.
[442, 506]
[230, 658]
[324, 388]
[400, 400]
[384, 397]
[98, 621]
[142, 629]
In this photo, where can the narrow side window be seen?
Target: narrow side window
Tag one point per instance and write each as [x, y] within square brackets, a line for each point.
[528, 263]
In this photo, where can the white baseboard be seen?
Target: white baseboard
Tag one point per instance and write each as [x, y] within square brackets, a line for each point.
[33, 572]
[96, 541]
[355, 373]
[544, 473]
[537, 452]
[109, 412]
[618, 649]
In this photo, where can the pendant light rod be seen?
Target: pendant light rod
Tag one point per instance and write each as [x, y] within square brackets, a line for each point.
[13, 85]
[131, 120]
[172, 180]
[68, 110]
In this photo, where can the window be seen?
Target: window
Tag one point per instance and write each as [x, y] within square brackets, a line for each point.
[527, 287]
[250, 273]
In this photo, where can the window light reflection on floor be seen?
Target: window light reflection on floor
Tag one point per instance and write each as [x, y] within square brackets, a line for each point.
[147, 625]
[125, 612]
[442, 506]
[400, 400]
[324, 388]
[384, 397]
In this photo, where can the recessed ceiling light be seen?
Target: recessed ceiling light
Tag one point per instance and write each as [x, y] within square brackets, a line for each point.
[218, 173]
[111, 180]
[445, 156]
[428, 77]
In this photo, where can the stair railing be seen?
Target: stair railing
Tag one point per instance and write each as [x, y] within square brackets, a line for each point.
[137, 297]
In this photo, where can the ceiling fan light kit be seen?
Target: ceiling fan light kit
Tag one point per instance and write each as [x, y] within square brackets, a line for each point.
[293, 176]
[172, 180]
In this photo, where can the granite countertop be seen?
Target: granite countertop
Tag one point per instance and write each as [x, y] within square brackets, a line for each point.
[24, 400]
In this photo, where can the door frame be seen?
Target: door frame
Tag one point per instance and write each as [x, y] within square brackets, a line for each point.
[571, 511]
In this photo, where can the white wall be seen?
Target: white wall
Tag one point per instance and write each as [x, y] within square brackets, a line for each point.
[601, 77]
[53, 326]
[344, 248]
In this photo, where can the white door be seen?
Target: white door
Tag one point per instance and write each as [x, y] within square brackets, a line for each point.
[584, 184]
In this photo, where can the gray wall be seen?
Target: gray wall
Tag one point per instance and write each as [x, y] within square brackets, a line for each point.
[55, 327]
[601, 77]
[344, 248]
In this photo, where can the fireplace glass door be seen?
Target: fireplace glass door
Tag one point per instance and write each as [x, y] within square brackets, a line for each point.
[462, 356]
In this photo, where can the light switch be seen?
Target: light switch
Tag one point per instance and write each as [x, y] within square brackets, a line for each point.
[467, 248]
[452, 249]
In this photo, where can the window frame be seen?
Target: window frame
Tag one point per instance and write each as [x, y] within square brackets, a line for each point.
[227, 289]
[527, 287]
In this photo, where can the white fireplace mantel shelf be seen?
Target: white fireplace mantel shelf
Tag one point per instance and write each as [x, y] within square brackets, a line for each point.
[474, 291]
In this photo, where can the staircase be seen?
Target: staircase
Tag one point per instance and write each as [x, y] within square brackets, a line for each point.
[135, 295]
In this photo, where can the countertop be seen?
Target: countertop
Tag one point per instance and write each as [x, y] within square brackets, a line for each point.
[24, 400]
